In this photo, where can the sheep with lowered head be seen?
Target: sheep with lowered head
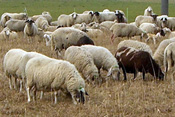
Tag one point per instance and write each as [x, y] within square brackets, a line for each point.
[135, 44]
[42, 23]
[145, 19]
[83, 61]
[11, 63]
[15, 25]
[48, 74]
[104, 59]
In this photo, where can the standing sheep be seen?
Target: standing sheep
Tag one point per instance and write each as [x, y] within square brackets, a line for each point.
[159, 53]
[148, 11]
[83, 18]
[42, 23]
[15, 25]
[66, 20]
[11, 63]
[145, 19]
[104, 59]
[135, 44]
[134, 61]
[47, 74]
[30, 29]
[149, 28]
[83, 61]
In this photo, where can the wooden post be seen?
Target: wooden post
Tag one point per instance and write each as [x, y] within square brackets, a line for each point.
[164, 7]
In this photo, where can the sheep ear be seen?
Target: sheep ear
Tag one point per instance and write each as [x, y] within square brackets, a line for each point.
[109, 72]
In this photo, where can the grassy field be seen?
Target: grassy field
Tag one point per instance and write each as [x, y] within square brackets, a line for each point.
[57, 7]
[150, 98]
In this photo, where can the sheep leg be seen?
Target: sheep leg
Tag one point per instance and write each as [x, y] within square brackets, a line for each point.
[124, 73]
[28, 94]
[154, 39]
[15, 82]
[143, 73]
[20, 85]
[10, 82]
[135, 75]
[41, 95]
[56, 95]
[73, 98]
[34, 94]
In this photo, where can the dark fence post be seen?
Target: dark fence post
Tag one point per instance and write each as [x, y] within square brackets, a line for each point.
[164, 7]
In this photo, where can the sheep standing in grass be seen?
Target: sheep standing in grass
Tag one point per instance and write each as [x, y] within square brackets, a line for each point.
[104, 59]
[83, 18]
[83, 61]
[66, 20]
[135, 44]
[159, 53]
[145, 19]
[15, 25]
[44, 14]
[47, 74]
[149, 28]
[11, 63]
[169, 57]
[42, 23]
[30, 29]
[21, 70]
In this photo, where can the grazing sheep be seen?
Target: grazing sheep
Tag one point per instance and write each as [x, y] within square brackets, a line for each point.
[54, 23]
[104, 59]
[15, 25]
[145, 19]
[154, 37]
[169, 58]
[30, 29]
[104, 16]
[66, 20]
[51, 28]
[81, 26]
[47, 74]
[85, 41]
[120, 17]
[95, 33]
[11, 63]
[83, 61]
[135, 44]
[106, 10]
[42, 23]
[21, 69]
[158, 55]
[108, 24]
[134, 61]
[19, 16]
[149, 28]
[83, 18]
[125, 30]
[44, 14]
[62, 38]
[148, 11]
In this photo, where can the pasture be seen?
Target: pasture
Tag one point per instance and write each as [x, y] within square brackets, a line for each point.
[112, 98]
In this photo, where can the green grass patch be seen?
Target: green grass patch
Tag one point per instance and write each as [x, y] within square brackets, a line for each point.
[57, 7]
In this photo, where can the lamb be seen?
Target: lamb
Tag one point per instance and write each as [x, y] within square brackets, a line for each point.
[11, 63]
[145, 19]
[30, 29]
[149, 28]
[66, 20]
[124, 30]
[83, 18]
[42, 23]
[135, 44]
[104, 16]
[154, 37]
[104, 59]
[158, 54]
[48, 74]
[132, 60]
[15, 25]
[148, 11]
[83, 61]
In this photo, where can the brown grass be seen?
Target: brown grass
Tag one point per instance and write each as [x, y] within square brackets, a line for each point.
[111, 99]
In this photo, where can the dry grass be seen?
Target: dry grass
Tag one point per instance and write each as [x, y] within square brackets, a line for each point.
[112, 98]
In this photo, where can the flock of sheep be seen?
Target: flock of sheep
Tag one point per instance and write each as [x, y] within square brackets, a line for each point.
[82, 59]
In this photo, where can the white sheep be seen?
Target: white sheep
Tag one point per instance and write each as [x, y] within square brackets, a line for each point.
[44, 14]
[42, 23]
[158, 54]
[20, 16]
[148, 11]
[145, 19]
[83, 18]
[125, 30]
[106, 10]
[4, 19]
[54, 23]
[95, 33]
[47, 74]
[154, 37]
[168, 22]
[169, 58]
[15, 25]
[108, 24]
[83, 61]
[20, 73]
[11, 62]
[66, 20]
[135, 44]
[104, 16]
[30, 29]
[104, 59]
[149, 28]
